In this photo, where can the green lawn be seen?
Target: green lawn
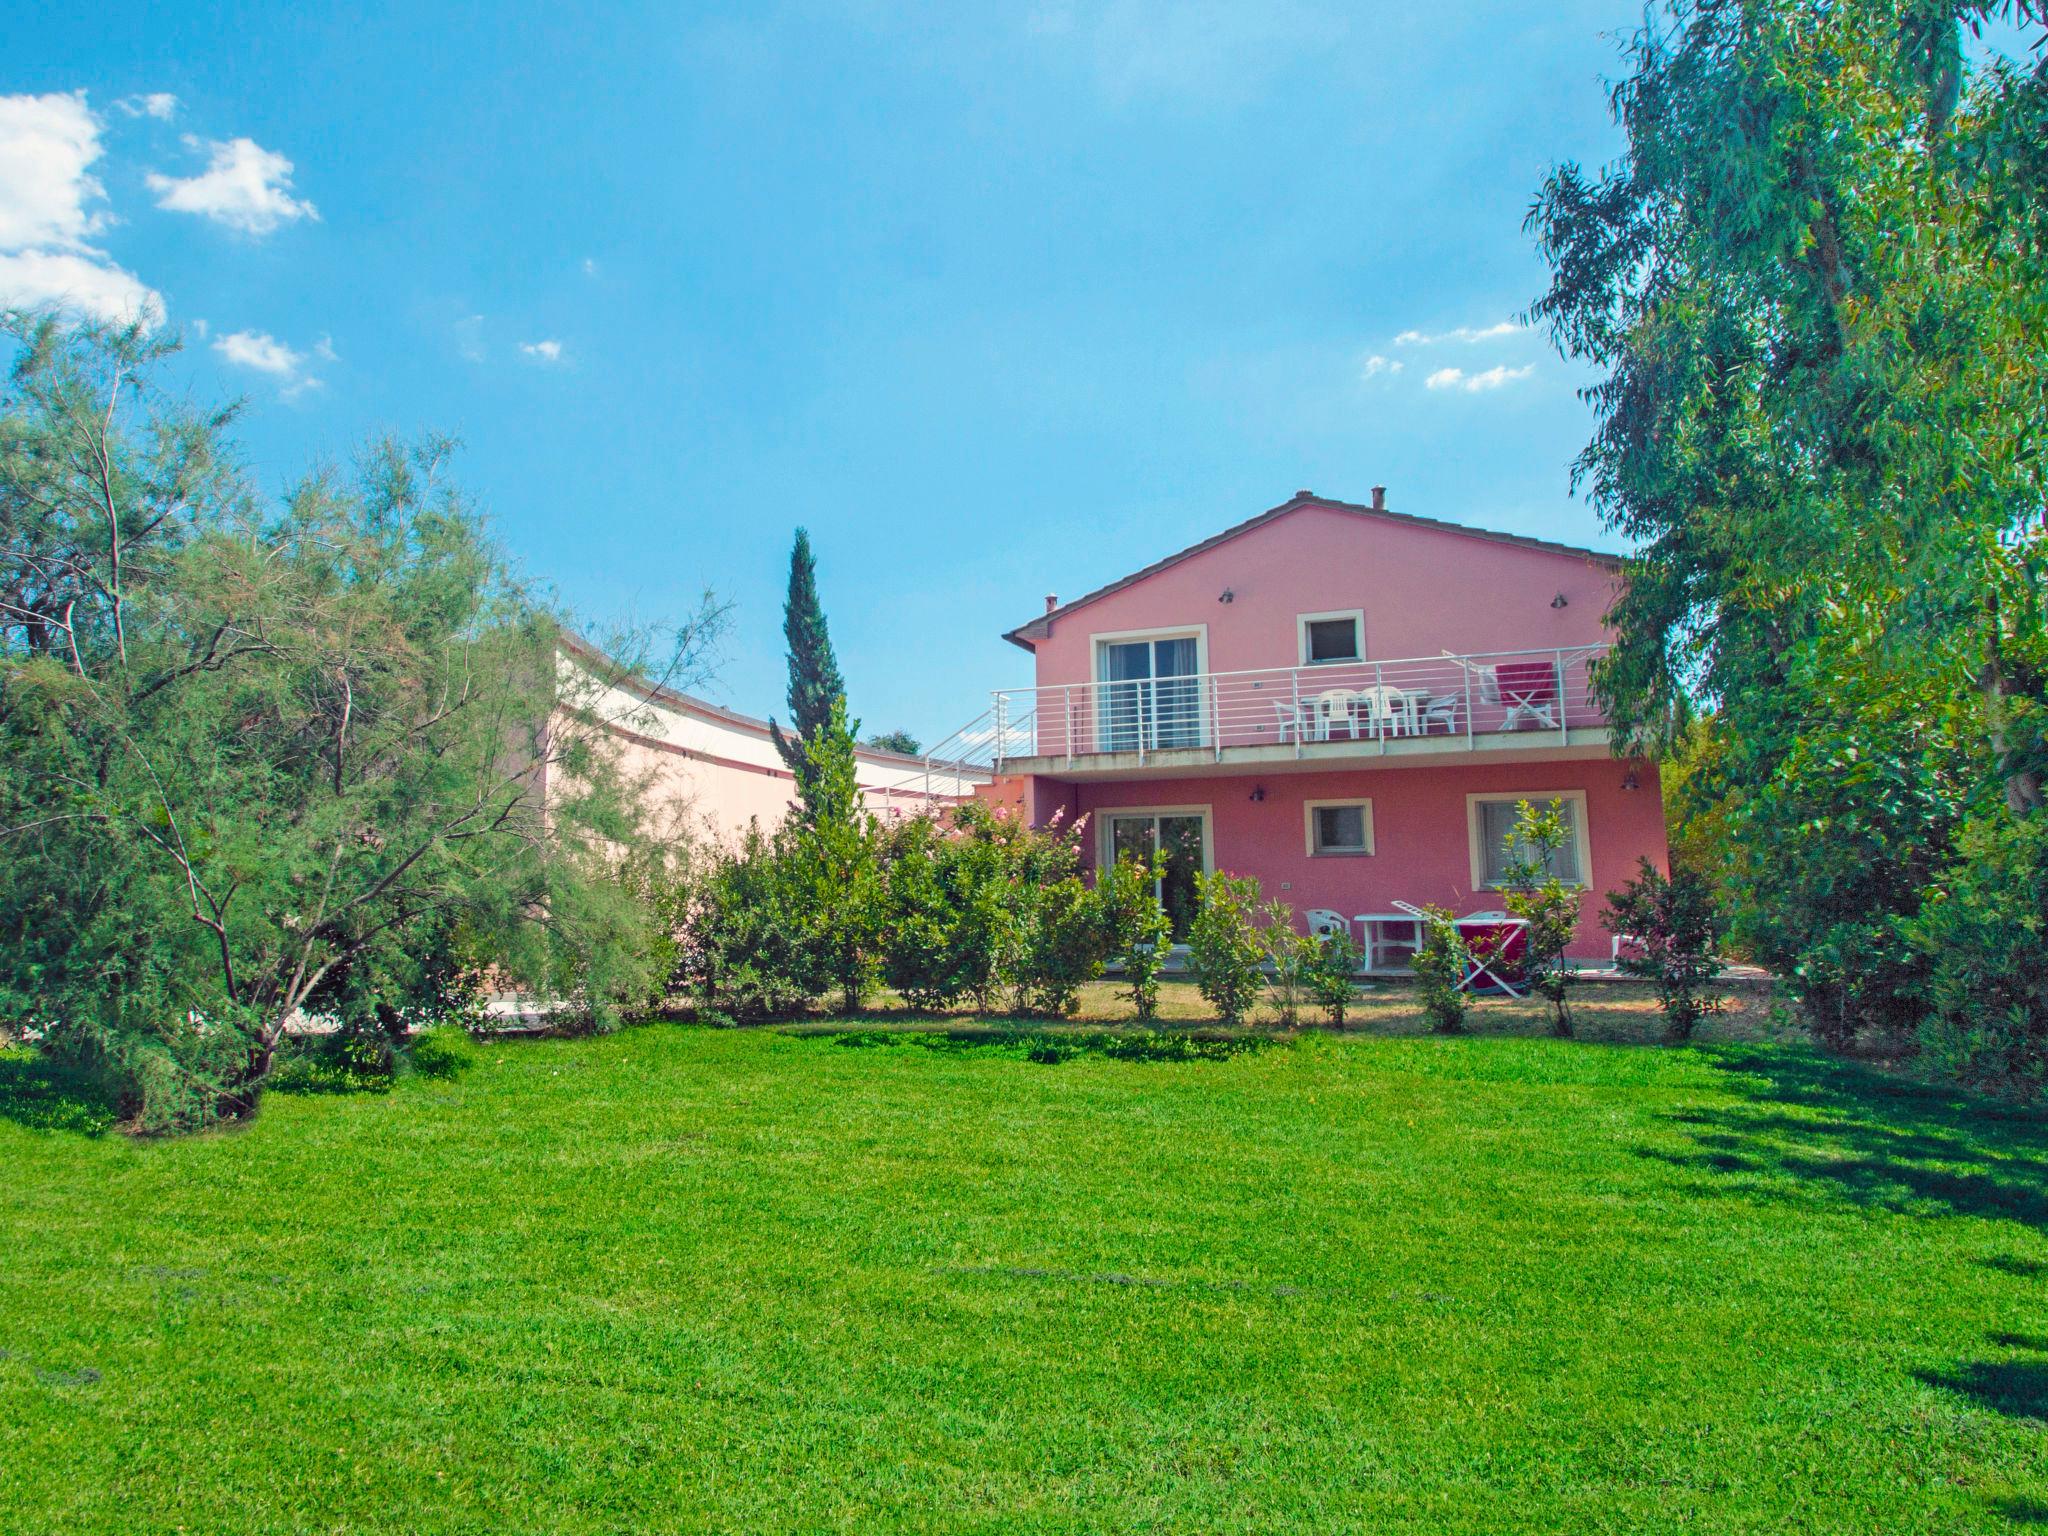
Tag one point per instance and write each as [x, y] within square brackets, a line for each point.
[681, 1279]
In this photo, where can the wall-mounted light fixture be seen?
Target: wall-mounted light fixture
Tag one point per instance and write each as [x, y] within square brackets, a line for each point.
[1559, 601]
[1228, 596]
[1629, 779]
[1258, 793]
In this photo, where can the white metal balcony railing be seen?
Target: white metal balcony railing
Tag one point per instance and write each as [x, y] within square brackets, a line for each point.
[1453, 699]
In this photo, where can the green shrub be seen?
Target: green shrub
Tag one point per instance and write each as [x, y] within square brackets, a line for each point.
[1063, 944]
[1137, 928]
[1548, 905]
[1984, 931]
[1224, 950]
[1440, 968]
[747, 950]
[1674, 922]
[976, 902]
[1290, 958]
[946, 909]
[1330, 978]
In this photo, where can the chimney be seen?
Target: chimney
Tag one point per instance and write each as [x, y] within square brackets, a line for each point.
[1379, 498]
[1052, 601]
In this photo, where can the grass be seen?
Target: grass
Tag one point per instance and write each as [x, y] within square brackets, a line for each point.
[862, 1279]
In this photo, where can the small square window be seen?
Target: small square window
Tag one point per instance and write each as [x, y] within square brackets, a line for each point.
[1326, 640]
[1340, 827]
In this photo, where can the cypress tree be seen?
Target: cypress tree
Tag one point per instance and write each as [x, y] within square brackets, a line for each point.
[814, 680]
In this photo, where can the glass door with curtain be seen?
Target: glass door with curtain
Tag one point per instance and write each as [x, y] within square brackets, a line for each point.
[1171, 847]
[1150, 696]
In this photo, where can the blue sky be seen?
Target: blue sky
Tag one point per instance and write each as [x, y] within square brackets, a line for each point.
[997, 300]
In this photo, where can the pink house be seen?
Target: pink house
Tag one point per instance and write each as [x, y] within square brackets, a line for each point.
[1341, 700]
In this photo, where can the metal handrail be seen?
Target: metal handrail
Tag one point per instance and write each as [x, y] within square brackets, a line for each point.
[1375, 701]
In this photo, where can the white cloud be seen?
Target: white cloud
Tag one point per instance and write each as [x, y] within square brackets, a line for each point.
[469, 338]
[264, 353]
[258, 350]
[47, 197]
[244, 186]
[1376, 365]
[1465, 333]
[50, 207]
[590, 266]
[158, 104]
[545, 351]
[82, 283]
[1477, 383]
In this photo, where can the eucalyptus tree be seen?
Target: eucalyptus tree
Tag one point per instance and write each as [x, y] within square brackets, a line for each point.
[1815, 290]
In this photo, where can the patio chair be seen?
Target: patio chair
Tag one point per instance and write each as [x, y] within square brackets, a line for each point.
[1324, 924]
[1528, 689]
[1388, 710]
[1289, 714]
[1441, 710]
[1334, 706]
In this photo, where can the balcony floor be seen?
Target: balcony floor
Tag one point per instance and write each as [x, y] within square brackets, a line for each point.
[1528, 746]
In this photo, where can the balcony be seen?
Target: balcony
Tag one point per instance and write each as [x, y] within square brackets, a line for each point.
[1526, 704]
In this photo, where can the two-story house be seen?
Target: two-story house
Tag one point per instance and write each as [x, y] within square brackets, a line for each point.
[1342, 700]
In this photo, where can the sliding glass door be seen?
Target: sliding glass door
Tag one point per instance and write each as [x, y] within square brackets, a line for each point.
[1170, 845]
[1150, 696]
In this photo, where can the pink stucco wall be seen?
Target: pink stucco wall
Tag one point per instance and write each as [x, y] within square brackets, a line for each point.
[1423, 590]
[1419, 824]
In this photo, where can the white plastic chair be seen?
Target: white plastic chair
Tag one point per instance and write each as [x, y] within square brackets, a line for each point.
[1387, 709]
[1442, 709]
[1335, 705]
[1290, 720]
[1324, 924]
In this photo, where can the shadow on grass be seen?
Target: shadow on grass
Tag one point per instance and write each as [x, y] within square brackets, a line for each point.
[1852, 1134]
[2022, 1511]
[1050, 1045]
[2017, 1388]
[46, 1097]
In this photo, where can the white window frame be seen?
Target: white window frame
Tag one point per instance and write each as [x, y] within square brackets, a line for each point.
[1200, 635]
[1308, 827]
[1199, 632]
[1105, 834]
[1302, 622]
[1581, 826]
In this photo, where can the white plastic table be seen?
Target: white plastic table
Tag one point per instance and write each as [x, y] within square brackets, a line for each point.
[1374, 924]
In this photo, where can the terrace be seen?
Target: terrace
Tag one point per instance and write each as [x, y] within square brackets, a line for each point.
[1412, 711]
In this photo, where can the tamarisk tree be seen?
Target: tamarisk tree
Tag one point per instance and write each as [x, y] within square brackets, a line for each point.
[262, 761]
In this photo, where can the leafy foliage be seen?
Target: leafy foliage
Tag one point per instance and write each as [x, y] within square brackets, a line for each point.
[1290, 960]
[1816, 286]
[1440, 966]
[1549, 906]
[1984, 934]
[898, 740]
[1671, 925]
[746, 943]
[1137, 928]
[264, 760]
[830, 862]
[1331, 975]
[1225, 951]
